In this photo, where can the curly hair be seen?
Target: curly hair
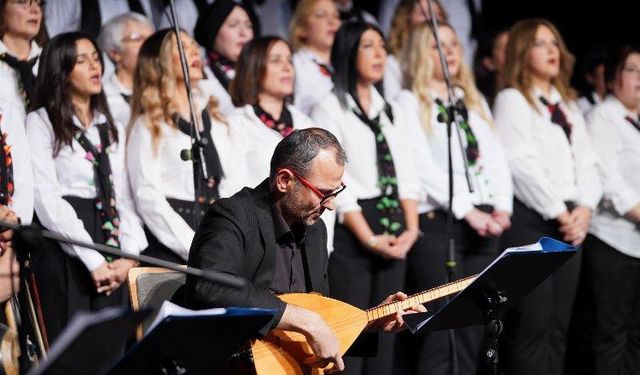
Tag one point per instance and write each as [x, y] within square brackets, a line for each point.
[154, 86]
[418, 71]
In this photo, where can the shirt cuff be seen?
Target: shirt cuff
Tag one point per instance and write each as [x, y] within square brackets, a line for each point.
[461, 206]
[91, 258]
[554, 210]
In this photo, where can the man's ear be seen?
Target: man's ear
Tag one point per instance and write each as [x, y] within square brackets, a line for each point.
[284, 179]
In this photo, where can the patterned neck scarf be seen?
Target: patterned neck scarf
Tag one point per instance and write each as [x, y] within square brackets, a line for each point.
[6, 169]
[98, 155]
[283, 125]
[210, 191]
[223, 68]
[472, 149]
[325, 69]
[635, 123]
[389, 203]
[26, 79]
[558, 117]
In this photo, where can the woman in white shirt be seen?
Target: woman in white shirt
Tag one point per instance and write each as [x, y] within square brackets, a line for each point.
[21, 35]
[162, 181]
[612, 250]
[223, 28]
[408, 15]
[265, 114]
[121, 38]
[556, 186]
[378, 218]
[480, 216]
[81, 186]
[313, 28]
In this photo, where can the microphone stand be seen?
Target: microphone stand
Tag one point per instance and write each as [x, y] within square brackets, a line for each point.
[453, 118]
[31, 235]
[196, 154]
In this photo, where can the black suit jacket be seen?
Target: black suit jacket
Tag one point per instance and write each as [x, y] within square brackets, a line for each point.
[237, 237]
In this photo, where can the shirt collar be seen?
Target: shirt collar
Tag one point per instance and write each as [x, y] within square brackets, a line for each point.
[118, 85]
[620, 107]
[284, 232]
[554, 96]
[377, 103]
[458, 93]
[35, 50]
[309, 55]
[98, 118]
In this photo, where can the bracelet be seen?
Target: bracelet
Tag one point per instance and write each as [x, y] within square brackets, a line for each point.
[373, 242]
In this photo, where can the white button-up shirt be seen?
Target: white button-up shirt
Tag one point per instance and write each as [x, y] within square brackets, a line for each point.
[212, 87]
[22, 201]
[158, 174]
[547, 170]
[114, 90]
[617, 143]
[361, 172]
[392, 78]
[261, 141]
[585, 104]
[311, 85]
[9, 79]
[490, 176]
[65, 15]
[70, 173]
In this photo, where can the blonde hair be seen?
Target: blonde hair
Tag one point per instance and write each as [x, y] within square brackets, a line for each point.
[401, 25]
[298, 24]
[154, 87]
[522, 36]
[418, 71]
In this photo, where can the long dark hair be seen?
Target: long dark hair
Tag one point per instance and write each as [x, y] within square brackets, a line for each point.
[40, 38]
[615, 62]
[53, 88]
[251, 69]
[344, 54]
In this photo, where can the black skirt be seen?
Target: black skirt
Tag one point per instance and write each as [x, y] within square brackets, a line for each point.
[66, 285]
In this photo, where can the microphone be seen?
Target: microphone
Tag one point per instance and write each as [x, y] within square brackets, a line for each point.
[185, 154]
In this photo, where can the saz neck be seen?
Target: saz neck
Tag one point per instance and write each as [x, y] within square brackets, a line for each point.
[387, 309]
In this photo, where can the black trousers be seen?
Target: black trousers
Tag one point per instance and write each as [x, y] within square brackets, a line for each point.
[431, 353]
[363, 279]
[615, 287]
[66, 286]
[535, 335]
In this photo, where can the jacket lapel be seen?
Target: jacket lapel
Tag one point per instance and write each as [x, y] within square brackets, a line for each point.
[266, 228]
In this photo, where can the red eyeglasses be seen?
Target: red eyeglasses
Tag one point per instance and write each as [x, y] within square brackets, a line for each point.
[324, 198]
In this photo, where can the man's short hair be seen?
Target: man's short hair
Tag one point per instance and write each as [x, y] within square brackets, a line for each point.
[298, 150]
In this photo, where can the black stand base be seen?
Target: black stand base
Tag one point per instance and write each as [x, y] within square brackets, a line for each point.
[493, 327]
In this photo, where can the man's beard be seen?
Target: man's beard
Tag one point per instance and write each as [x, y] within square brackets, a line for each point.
[292, 208]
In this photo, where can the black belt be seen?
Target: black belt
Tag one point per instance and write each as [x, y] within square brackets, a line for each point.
[187, 210]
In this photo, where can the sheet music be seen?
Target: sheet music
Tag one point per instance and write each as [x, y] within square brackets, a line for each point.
[171, 309]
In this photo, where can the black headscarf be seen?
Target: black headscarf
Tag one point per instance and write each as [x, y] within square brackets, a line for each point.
[213, 16]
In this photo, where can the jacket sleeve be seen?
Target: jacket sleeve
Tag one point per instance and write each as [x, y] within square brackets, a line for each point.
[220, 246]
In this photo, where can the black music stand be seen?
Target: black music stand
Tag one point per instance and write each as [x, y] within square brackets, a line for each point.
[515, 273]
[78, 352]
[194, 344]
